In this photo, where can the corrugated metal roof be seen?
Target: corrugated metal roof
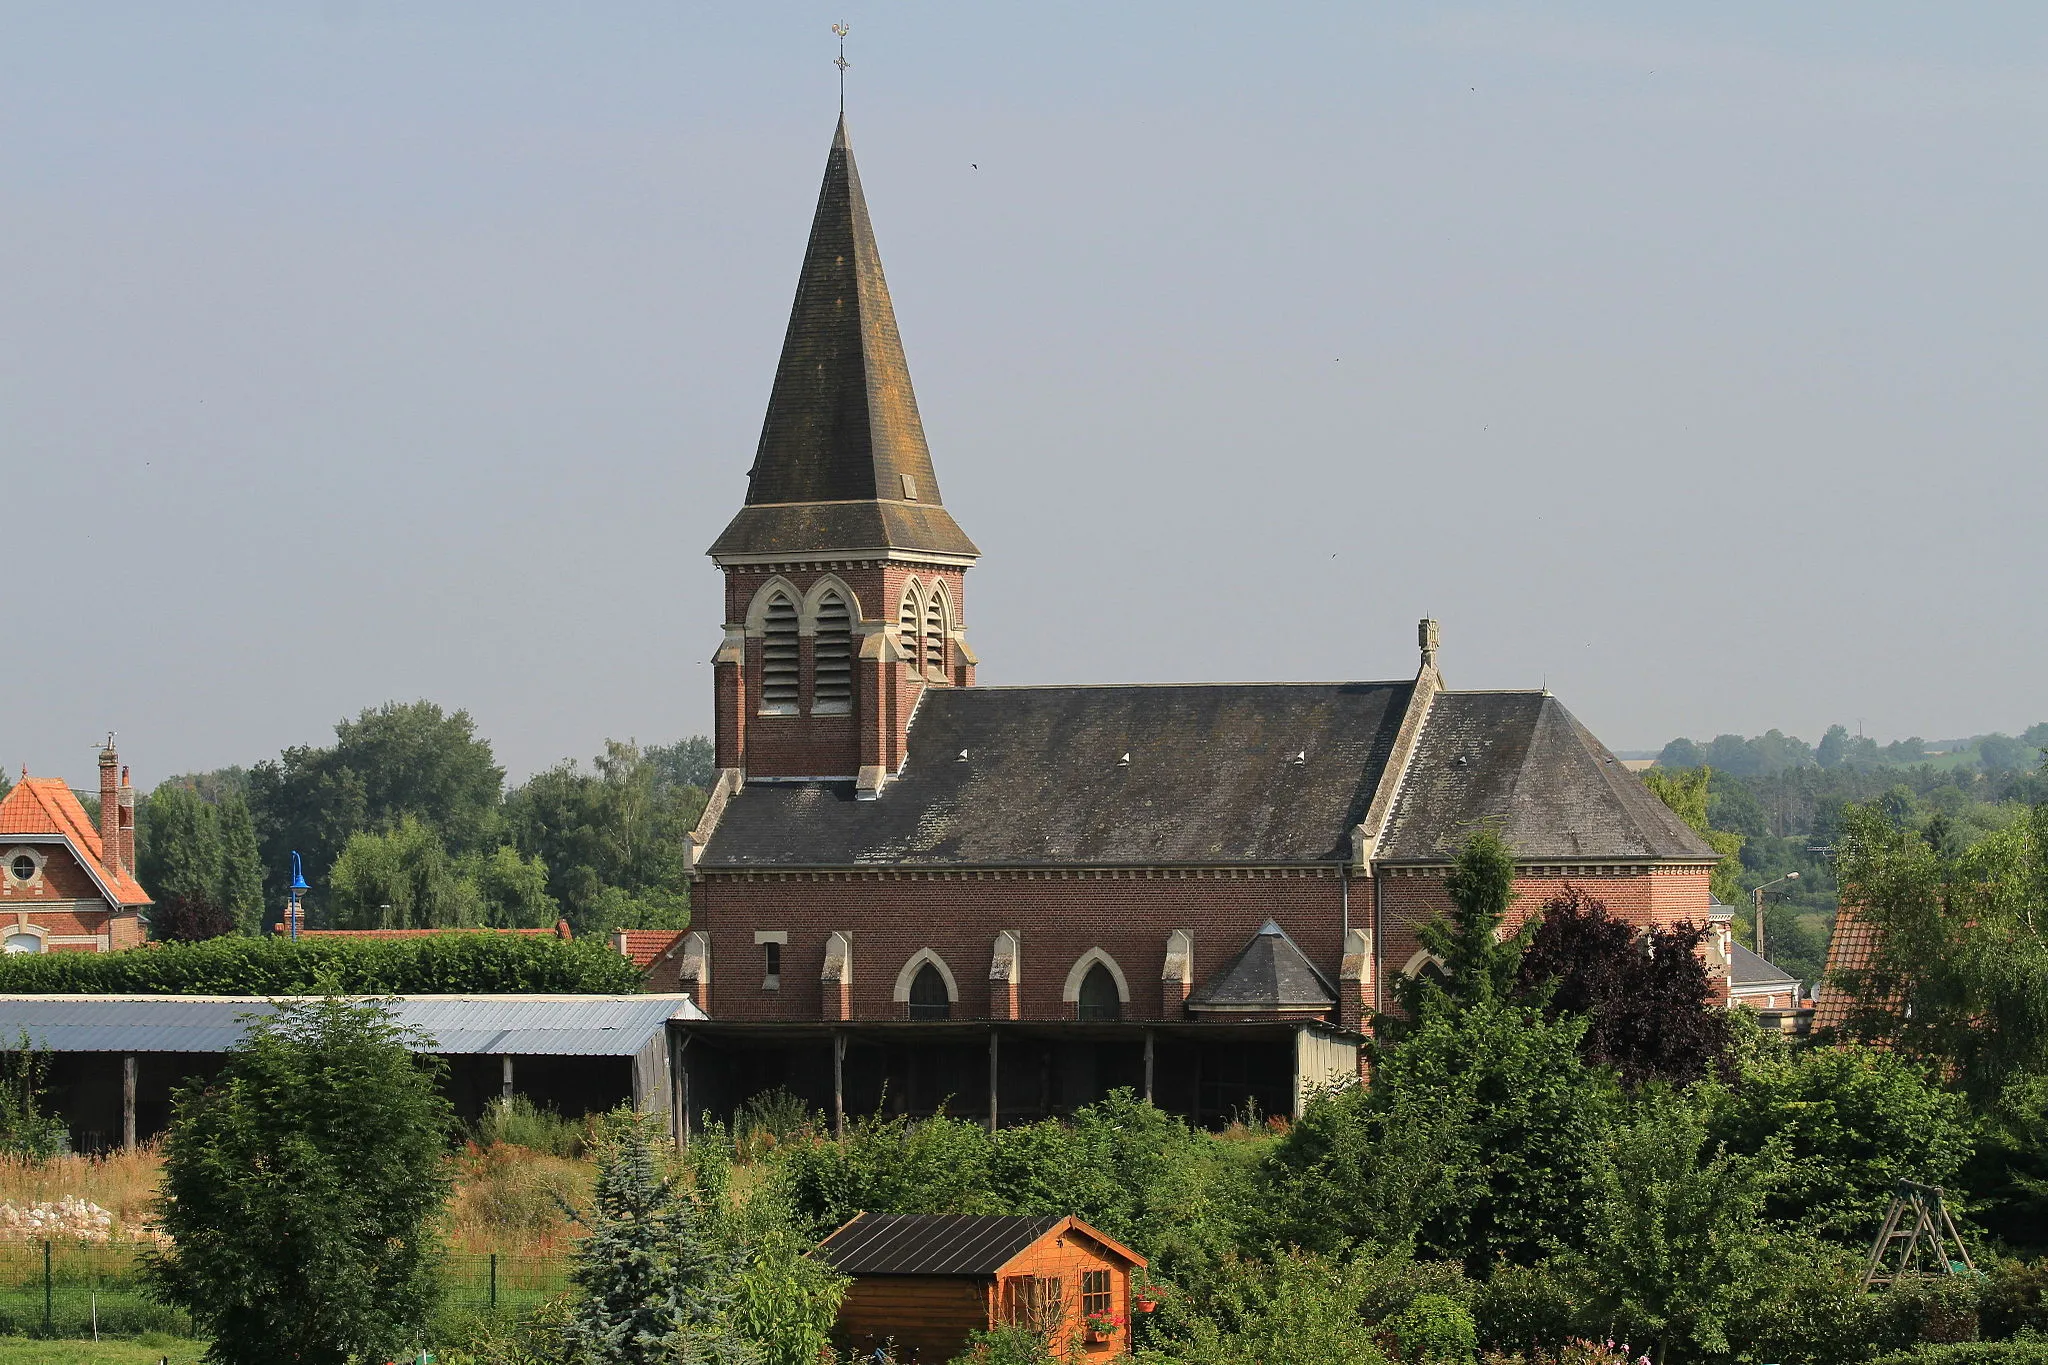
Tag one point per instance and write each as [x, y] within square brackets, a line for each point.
[514, 1025]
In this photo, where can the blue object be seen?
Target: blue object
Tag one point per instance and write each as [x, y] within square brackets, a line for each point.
[298, 877]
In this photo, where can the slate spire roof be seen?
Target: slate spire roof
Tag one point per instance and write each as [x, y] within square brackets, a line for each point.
[842, 465]
[1271, 973]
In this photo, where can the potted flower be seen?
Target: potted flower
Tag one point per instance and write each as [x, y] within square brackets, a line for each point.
[1103, 1326]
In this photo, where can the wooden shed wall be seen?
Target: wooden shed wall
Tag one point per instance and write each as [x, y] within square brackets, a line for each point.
[1065, 1258]
[933, 1314]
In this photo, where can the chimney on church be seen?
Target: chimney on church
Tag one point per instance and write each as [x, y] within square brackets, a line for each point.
[127, 824]
[110, 804]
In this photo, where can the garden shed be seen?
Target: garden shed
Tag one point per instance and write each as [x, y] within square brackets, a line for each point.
[116, 1059]
[926, 1282]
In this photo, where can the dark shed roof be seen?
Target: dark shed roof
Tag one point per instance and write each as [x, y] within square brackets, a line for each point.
[1271, 973]
[1522, 763]
[1745, 968]
[1247, 773]
[842, 434]
[931, 1243]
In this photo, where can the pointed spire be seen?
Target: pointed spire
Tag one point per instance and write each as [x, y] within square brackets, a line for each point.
[842, 465]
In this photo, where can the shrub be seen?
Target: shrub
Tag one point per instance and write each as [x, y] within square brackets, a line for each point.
[2015, 1298]
[1434, 1328]
[25, 1130]
[2022, 1351]
[519, 1122]
[1525, 1310]
[444, 964]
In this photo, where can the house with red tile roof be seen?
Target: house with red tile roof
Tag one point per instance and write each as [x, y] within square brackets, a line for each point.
[658, 953]
[65, 886]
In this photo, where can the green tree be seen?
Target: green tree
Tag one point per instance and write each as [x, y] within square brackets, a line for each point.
[1848, 1123]
[1687, 794]
[654, 1281]
[241, 865]
[512, 890]
[785, 1300]
[1298, 1309]
[183, 855]
[27, 1130]
[1473, 963]
[1675, 1250]
[301, 1190]
[403, 879]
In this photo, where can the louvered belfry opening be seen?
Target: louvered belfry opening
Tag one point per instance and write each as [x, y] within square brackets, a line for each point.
[832, 658]
[935, 635]
[907, 624]
[779, 658]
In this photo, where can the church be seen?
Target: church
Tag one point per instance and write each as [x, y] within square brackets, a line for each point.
[913, 893]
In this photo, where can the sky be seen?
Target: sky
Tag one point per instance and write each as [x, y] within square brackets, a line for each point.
[1686, 360]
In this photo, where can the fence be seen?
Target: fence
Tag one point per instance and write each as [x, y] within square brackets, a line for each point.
[75, 1290]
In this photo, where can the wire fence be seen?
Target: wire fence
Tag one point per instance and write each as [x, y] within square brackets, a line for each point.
[74, 1291]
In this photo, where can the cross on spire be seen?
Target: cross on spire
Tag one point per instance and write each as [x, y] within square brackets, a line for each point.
[842, 28]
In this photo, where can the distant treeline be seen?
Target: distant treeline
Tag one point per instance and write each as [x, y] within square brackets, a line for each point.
[1775, 751]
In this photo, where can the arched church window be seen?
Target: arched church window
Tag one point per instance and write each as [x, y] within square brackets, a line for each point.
[935, 632]
[929, 998]
[779, 657]
[907, 621]
[1098, 998]
[832, 658]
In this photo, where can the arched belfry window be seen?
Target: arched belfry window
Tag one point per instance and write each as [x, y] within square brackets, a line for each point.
[907, 622]
[779, 657]
[1099, 998]
[929, 998]
[935, 631]
[832, 658]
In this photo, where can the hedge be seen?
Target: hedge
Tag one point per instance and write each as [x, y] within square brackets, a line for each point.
[2027, 1350]
[446, 964]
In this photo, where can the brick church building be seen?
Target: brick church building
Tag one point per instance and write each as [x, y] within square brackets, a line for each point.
[914, 891]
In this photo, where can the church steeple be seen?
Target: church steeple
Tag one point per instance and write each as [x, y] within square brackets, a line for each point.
[842, 468]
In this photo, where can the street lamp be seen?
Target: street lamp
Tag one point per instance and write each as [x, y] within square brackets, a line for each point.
[1788, 877]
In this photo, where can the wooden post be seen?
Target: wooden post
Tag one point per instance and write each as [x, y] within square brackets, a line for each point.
[994, 1108]
[505, 1079]
[838, 1083]
[1148, 1066]
[128, 1068]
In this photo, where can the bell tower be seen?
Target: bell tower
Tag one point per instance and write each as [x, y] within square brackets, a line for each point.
[844, 573]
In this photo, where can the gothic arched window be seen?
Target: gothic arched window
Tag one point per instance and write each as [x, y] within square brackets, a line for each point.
[779, 657]
[1098, 998]
[929, 998]
[832, 658]
[935, 631]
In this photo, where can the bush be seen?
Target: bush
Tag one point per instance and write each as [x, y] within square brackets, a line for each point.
[1525, 1310]
[2029, 1350]
[445, 964]
[519, 1122]
[2015, 1298]
[1436, 1329]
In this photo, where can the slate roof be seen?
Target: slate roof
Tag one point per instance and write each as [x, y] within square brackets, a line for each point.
[1262, 774]
[842, 430]
[47, 806]
[1521, 762]
[945, 1243]
[1745, 968]
[1269, 973]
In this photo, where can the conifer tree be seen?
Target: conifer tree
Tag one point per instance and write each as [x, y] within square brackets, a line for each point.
[656, 1280]
[1475, 964]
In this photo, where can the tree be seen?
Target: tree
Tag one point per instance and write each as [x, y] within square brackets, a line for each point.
[188, 919]
[1674, 1248]
[1687, 794]
[1682, 753]
[1834, 747]
[1647, 998]
[403, 879]
[26, 1130]
[654, 1282]
[241, 865]
[302, 1188]
[1473, 963]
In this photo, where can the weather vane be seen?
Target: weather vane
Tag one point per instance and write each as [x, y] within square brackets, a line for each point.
[842, 28]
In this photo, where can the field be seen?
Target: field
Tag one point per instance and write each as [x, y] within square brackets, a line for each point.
[143, 1351]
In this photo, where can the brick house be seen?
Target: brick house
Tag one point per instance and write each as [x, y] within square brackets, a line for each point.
[66, 887]
[911, 890]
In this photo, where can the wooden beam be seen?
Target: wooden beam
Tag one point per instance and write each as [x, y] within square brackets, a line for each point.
[128, 1070]
[838, 1083]
[505, 1080]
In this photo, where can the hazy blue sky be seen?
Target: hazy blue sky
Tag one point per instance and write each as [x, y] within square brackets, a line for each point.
[1689, 358]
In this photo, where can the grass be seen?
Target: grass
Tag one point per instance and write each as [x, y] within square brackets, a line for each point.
[141, 1351]
[124, 1182]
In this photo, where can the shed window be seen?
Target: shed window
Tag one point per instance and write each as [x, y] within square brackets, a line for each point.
[1098, 998]
[1095, 1294]
[832, 658]
[1034, 1302]
[928, 996]
[778, 658]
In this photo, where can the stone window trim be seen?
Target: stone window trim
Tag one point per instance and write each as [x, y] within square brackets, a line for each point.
[910, 625]
[1070, 993]
[828, 585]
[918, 959]
[12, 934]
[937, 634]
[10, 865]
[1422, 958]
[771, 942]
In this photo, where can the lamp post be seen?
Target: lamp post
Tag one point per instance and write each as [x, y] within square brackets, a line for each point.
[298, 885]
[1788, 877]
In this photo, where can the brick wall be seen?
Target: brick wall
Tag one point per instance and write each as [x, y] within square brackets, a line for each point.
[62, 878]
[1056, 918]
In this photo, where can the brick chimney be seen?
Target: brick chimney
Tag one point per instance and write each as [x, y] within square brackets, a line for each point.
[110, 806]
[127, 824]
